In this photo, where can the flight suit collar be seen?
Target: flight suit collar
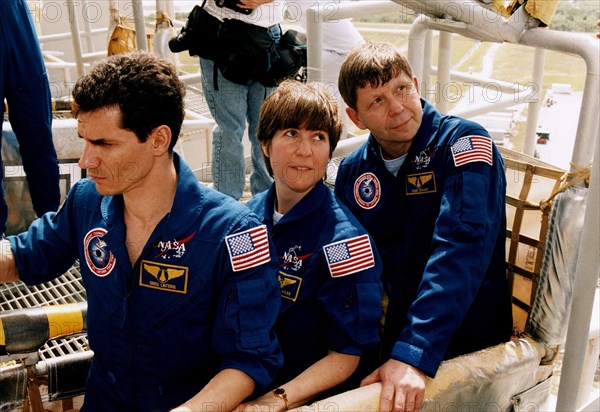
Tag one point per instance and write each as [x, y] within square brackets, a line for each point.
[307, 205]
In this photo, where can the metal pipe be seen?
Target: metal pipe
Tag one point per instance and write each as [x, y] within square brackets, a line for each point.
[351, 9]
[416, 46]
[478, 109]
[428, 62]
[481, 22]
[420, 51]
[314, 37]
[533, 109]
[66, 36]
[444, 66]
[75, 37]
[584, 288]
[586, 48]
[502, 86]
[140, 25]
[88, 28]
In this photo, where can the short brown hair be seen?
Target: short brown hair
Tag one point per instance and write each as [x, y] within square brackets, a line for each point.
[144, 86]
[370, 64]
[294, 105]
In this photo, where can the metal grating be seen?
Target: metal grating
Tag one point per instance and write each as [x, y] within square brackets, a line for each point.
[67, 288]
[60, 347]
[195, 101]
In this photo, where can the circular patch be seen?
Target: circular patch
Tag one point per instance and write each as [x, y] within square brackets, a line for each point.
[367, 190]
[99, 259]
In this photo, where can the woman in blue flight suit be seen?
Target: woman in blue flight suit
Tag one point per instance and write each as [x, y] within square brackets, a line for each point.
[329, 270]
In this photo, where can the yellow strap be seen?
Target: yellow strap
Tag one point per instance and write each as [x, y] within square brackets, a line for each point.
[568, 179]
[64, 320]
[499, 6]
[2, 338]
[162, 17]
[542, 10]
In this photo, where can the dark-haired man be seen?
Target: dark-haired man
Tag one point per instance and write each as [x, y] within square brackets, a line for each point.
[181, 290]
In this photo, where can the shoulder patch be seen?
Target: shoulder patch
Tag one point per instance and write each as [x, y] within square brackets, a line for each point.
[248, 249]
[470, 149]
[367, 190]
[349, 256]
[98, 256]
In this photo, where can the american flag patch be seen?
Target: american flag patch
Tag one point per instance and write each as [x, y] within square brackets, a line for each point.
[472, 149]
[349, 256]
[248, 249]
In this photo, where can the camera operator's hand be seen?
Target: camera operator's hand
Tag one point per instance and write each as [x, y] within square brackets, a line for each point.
[252, 4]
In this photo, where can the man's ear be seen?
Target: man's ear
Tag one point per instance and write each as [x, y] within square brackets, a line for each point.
[161, 139]
[353, 115]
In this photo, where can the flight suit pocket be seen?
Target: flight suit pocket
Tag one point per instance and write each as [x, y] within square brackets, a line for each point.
[370, 312]
[474, 189]
[254, 330]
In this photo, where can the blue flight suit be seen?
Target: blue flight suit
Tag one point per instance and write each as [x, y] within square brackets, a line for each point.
[440, 228]
[191, 305]
[24, 84]
[323, 308]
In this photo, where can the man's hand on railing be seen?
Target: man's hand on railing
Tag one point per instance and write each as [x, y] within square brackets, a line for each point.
[402, 386]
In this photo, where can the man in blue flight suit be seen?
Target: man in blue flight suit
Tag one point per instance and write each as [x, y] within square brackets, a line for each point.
[430, 189]
[24, 84]
[180, 280]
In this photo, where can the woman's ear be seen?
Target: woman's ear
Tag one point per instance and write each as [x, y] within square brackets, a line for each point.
[265, 149]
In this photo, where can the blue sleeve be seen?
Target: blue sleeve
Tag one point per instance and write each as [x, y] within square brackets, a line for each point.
[247, 309]
[472, 213]
[49, 247]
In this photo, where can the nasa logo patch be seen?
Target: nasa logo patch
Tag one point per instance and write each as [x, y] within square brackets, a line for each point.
[98, 257]
[367, 190]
